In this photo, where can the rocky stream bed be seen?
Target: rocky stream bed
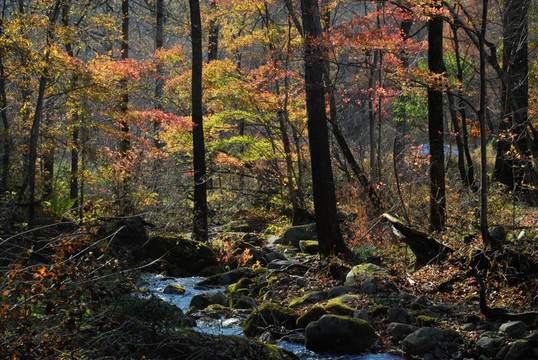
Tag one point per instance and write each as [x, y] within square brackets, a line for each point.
[285, 297]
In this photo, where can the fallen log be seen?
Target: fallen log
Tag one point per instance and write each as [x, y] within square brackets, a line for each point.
[423, 245]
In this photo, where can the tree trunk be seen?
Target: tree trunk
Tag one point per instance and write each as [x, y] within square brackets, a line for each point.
[213, 46]
[329, 236]
[200, 231]
[6, 138]
[125, 142]
[482, 121]
[36, 122]
[513, 163]
[435, 127]
[159, 81]
[74, 173]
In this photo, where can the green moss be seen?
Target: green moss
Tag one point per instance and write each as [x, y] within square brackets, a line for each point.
[311, 315]
[424, 321]
[378, 310]
[309, 298]
[338, 306]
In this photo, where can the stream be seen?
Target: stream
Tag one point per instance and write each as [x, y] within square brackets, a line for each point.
[232, 326]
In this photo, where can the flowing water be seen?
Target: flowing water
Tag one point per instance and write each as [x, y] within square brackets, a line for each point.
[232, 325]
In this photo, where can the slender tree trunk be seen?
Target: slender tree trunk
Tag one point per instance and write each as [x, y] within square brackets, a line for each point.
[74, 173]
[329, 236]
[435, 127]
[463, 114]
[38, 115]
[213, 46]
[159, 81]
[482, 124]
[200, 231]
[6, 138]
[125, 142]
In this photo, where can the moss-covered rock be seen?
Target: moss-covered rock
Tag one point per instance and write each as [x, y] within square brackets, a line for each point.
[309, 246]
[363, 272]
[193, 345]
[424, 320]
[175, 289]
[151, 311]
[339, 334]
[314, 314]
[178, 256]
[338, 305]
[309, 298]
[269, 314]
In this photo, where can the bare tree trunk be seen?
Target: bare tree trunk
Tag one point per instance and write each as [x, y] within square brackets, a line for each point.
[514, 162]
[74, 173]
[329, 235]
[125, 141]
[159, 81]
[435, 127]
[482, 121]
[200, 231]
[38, 115]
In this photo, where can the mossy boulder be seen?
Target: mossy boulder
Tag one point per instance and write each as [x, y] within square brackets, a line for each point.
[179, 256]
[424, 320]
[269, 314]
[309, 298]
[314, 314]
[203, 300]
[295, 234]
[151, 311]
[339, 334]
[363, 272]
[338, 305]
[189, 344]
[309, 246]
[378, 310]
[175, 289]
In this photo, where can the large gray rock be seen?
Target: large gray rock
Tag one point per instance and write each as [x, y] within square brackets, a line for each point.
[488, 346]
[399, 331]
[295, 234]
[339, 334]
[521, 349]
[203, 300]
[398, 315]
[422, 341]
[513, 329]
[363, 272]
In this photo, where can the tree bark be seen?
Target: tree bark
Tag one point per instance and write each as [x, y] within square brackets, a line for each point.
[329, 235]
[435, 127]
[200, 231]
[213, 46]
[482, 123]
[513, 163]
[125, 142]
[159, 81]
